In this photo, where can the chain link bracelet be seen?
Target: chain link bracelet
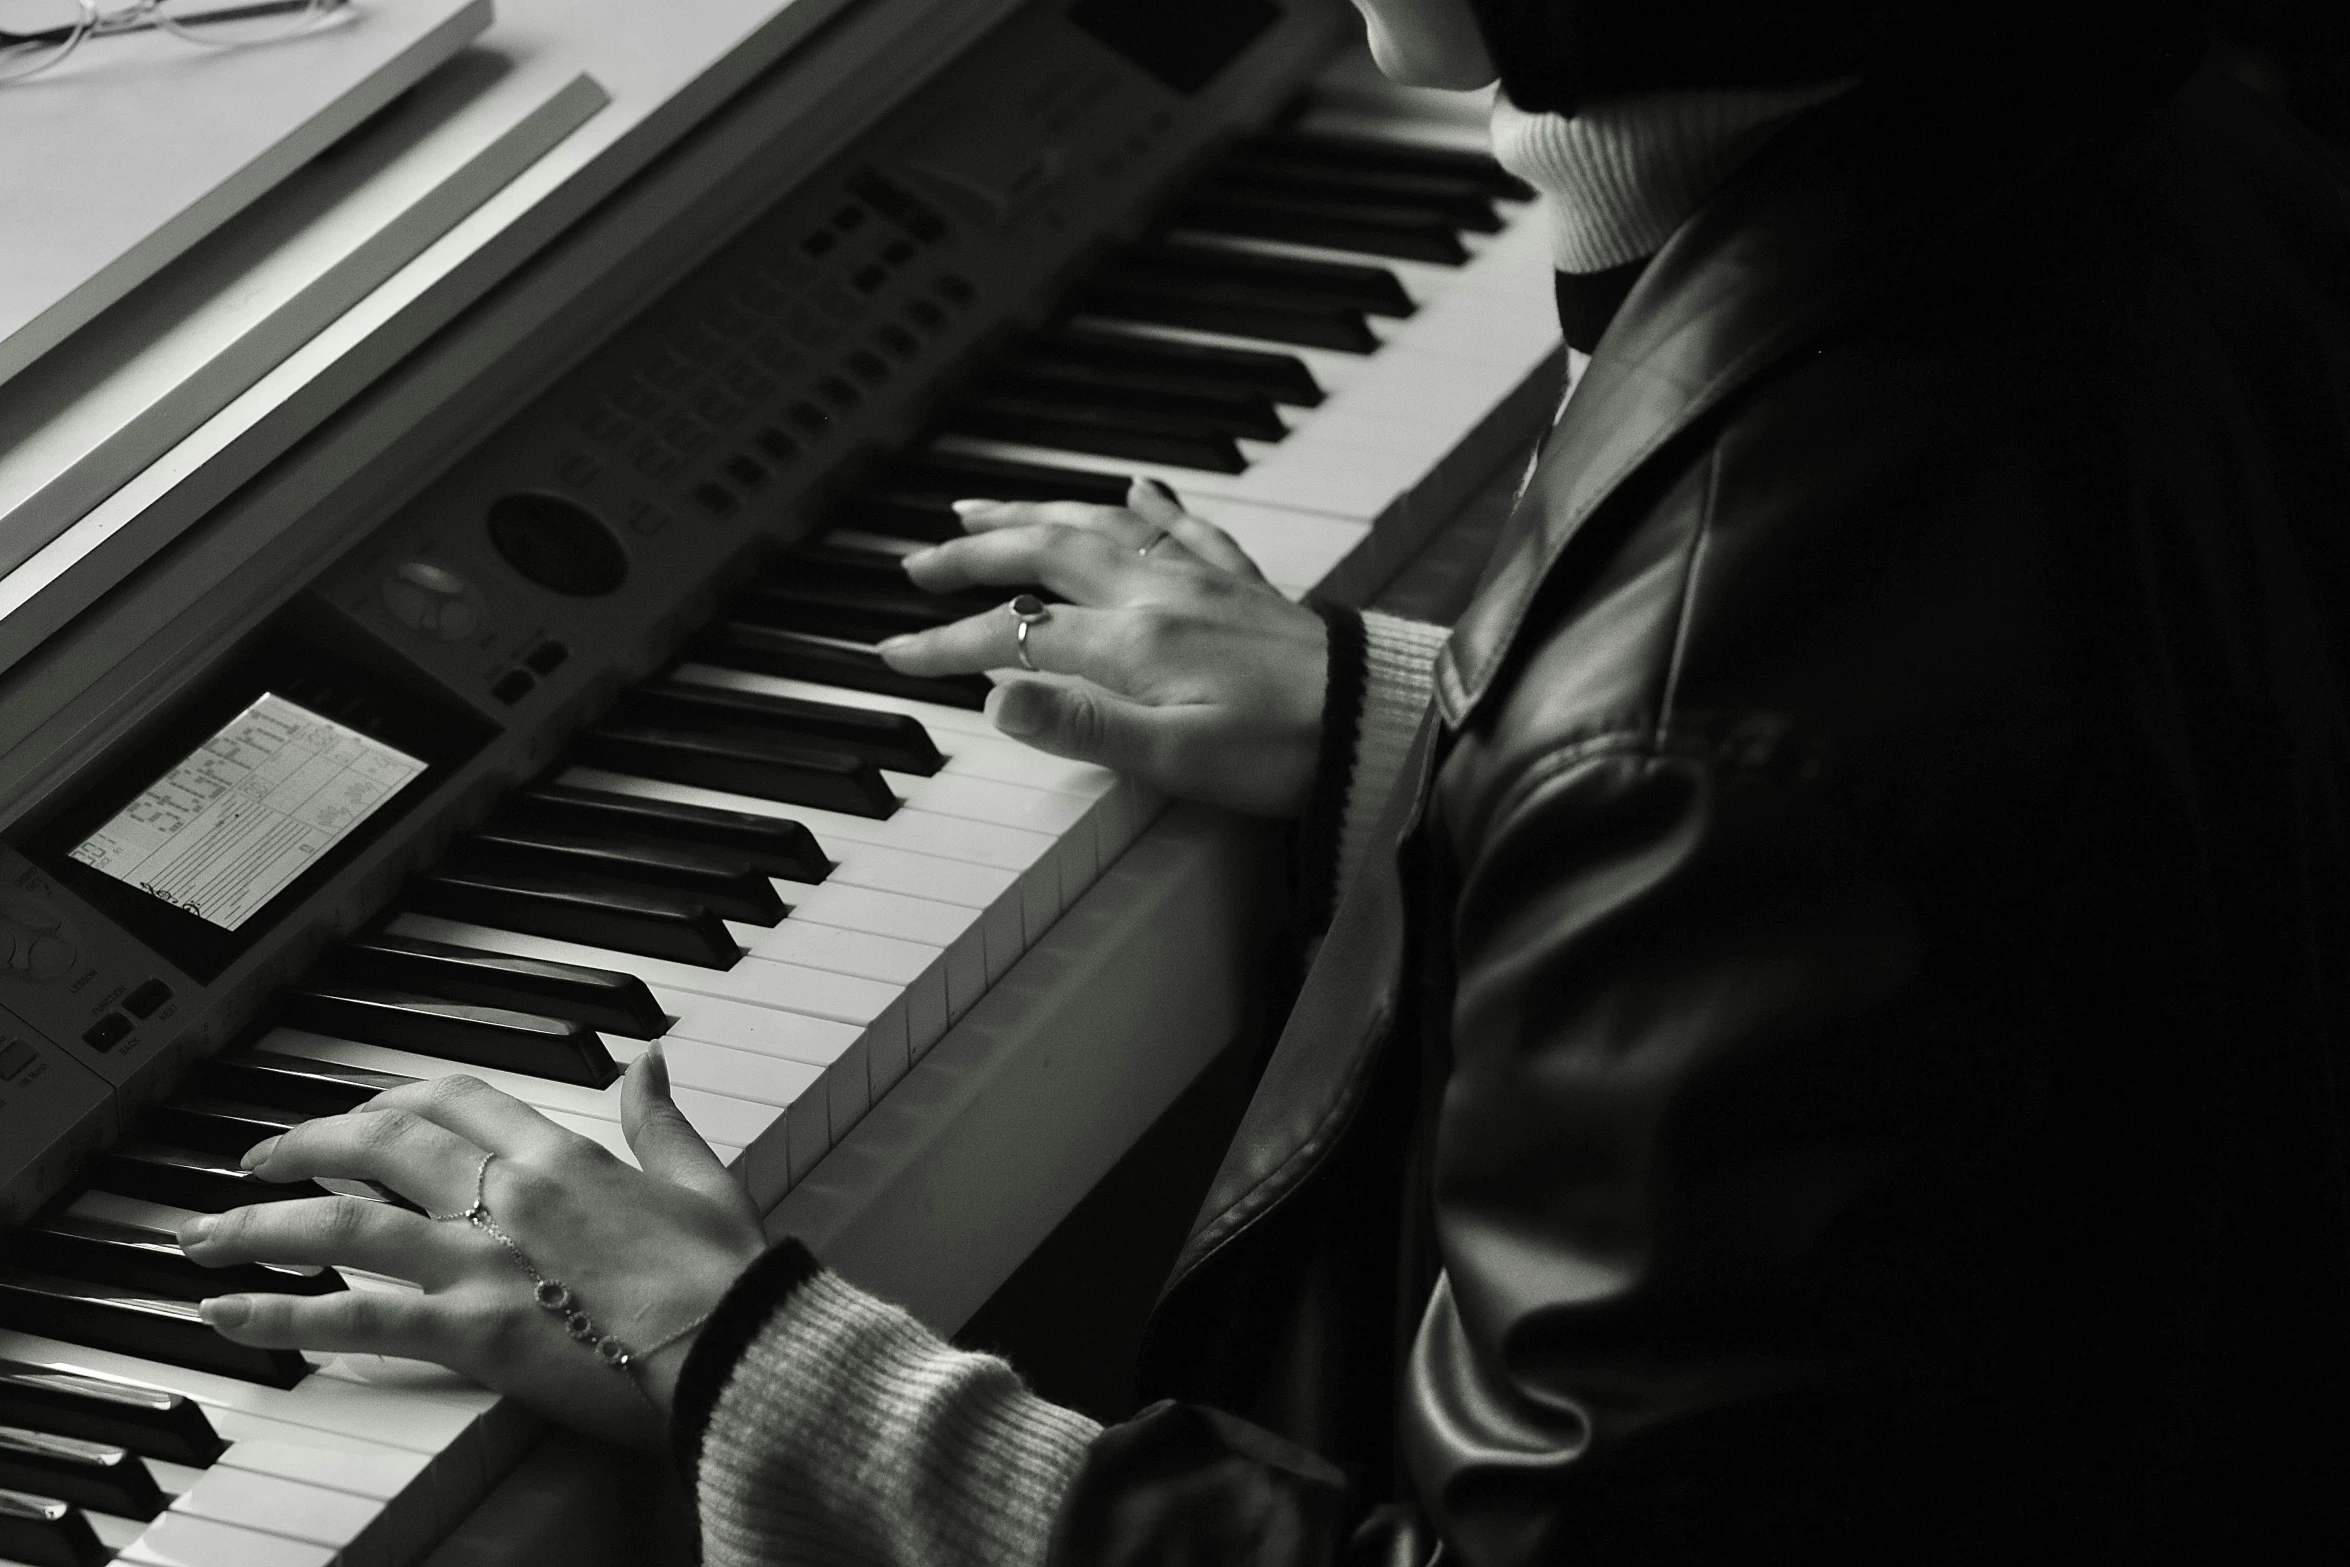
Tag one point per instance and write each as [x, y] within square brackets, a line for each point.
[555, 1297]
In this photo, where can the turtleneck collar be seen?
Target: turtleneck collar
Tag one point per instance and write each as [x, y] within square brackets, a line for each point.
[1622, 173]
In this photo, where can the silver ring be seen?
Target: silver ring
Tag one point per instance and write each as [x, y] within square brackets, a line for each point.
[1026, 610]
[1156, 539]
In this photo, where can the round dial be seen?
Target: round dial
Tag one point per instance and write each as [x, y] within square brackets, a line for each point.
[35, 944]
[433, 599]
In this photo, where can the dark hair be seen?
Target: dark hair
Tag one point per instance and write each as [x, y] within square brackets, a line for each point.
[1557, 54]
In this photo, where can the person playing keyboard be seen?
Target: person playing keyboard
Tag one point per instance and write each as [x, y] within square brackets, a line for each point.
[1828, 1034]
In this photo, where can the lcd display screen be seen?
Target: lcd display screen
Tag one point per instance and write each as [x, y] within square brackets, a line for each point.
[240, 818]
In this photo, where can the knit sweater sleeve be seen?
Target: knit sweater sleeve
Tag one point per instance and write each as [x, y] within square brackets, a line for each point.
[1381, 680]
[821, 1426]
[1399, 681]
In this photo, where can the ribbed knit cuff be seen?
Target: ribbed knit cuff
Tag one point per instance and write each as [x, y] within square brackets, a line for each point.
[1399, 680]
[750, 1302]
[1320, 829]
[849, 1433]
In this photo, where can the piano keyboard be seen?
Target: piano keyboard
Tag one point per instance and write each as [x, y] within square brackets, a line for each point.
[793, 867]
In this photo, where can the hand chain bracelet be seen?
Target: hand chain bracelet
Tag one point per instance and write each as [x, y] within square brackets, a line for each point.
[554, 1297]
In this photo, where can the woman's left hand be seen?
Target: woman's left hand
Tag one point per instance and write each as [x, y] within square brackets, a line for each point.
[643, 1253]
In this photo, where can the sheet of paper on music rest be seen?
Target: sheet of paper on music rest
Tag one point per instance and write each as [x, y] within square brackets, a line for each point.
[230, 827]
[140, 144]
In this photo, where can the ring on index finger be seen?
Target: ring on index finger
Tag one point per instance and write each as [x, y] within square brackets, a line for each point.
[1026, 610]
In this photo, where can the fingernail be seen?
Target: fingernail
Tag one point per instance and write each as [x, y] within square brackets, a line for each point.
[226, 1311]
[971, 508]
[894, 644]
[258, 1155]
[196, 1230]
[657, 1066]
[1163, 491]
[1017, 712]
[909, 562]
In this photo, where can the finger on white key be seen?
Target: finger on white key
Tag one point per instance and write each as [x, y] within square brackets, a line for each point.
[541, 1094]
[766, 1032]
[325, 1231]
[1156, 503]
[1294, 546]
[714, 1067]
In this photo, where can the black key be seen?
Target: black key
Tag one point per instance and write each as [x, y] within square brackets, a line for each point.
[896, 741]
[152, 1421]
[912, 500]
[1249, 414]
[955, 476]
[1375, 229]
[776, 845]
[216, 1125]
[791, 598]
[1172, 298]
[150, 1261]
[267, 1077]
[871, 548]
[874, 612]
[42, 1531]
[189, 1178]
[766, 768]
[153, 1327]
[1462, 202]
[70, 1469]
[1274, 280]
[728, 886]
[800, 655]
[902, 514]
[649, 924]
[601, 998]
[820, 562]
[1068, 424]
[1183, 367]
[1348, 152]
[554, 1048]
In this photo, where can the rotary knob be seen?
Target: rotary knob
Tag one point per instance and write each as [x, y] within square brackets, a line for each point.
[433, 599]
[35, 945]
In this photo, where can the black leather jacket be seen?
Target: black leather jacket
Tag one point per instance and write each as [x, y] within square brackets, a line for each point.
[1845, 1058]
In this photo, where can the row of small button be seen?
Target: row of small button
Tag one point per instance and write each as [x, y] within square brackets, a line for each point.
[114, 1028]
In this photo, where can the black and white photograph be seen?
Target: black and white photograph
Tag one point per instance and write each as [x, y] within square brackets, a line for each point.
[1174, 783]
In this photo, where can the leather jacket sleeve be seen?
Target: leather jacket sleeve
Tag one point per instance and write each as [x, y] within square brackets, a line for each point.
[1698, 1175]
[1677, 1086]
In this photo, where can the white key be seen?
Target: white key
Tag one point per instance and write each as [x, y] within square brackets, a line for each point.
[917, 842]
[939, 947]
[815, 1119]
[750, 1022]
[405, 1518]
[1294, 549]
[430, 1421]
[844, 998]
[180, 1540]
[278, 1505]
[954, 730]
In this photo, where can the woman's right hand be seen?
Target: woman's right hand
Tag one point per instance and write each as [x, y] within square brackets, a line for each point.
[1172, 658]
